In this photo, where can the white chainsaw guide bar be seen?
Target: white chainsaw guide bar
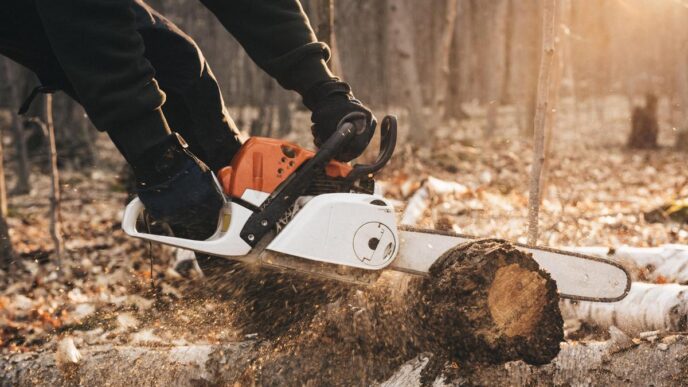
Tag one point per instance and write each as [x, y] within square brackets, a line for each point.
[578, 276]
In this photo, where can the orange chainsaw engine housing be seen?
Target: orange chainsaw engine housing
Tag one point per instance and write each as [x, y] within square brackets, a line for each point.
[263, 163]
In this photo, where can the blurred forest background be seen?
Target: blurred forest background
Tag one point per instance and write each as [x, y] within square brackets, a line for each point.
[467, 69]
[437, 60]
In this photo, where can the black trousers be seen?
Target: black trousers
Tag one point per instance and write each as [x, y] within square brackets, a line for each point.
[194, 105]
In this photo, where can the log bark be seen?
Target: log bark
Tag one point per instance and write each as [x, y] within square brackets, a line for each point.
[600, 363]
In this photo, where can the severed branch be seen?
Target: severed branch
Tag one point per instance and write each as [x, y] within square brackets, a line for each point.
[546, 67]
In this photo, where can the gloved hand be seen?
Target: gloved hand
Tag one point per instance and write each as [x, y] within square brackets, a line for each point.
[177, 188]
[329, 102]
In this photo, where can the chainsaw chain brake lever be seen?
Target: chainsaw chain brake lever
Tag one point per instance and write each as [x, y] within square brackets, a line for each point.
[388, 142]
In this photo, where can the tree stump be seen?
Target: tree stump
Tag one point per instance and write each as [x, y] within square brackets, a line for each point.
[644, 126]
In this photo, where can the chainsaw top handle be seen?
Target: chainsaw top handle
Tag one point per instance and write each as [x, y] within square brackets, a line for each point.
[346, 131]
[388, 141]
[284, 196]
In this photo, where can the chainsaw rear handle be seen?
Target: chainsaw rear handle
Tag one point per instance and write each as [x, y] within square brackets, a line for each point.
[224, 244]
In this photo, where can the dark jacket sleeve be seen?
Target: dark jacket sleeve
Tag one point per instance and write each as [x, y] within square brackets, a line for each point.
[102, 54]
[278, 37]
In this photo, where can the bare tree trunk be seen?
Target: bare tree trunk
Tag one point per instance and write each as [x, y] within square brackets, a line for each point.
[443, 55]
[3, 184]
[6, 250]
[568, 60]
[552, 108]
[23, 169]
[7, 254]
[324, 10]
[283, 113]
[55, 218]
[524, 64]
[458, 63]
[403, 74]
[546, 67]
[496, 12]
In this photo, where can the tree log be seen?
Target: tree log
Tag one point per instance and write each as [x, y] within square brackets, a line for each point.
[647, 307]
[663, 264]
[600, 363]
[483, 301]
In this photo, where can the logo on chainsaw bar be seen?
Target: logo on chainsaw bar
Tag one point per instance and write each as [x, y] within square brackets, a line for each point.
[374, 244]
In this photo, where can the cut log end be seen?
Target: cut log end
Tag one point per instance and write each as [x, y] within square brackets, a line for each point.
[488, 301]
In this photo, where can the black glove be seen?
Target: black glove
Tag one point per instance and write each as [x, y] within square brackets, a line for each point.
[329, 102]
[177, 188]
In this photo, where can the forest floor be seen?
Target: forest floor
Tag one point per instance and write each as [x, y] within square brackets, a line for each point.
[107, 292]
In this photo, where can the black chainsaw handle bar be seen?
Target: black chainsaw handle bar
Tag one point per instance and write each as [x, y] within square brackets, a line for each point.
[345, 132]
[388, 141]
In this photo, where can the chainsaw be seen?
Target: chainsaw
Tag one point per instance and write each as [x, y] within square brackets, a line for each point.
[292, 208]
